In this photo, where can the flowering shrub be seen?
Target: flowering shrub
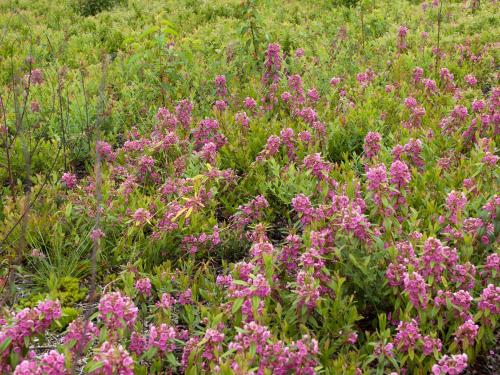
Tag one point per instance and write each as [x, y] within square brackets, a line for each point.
[315, 207]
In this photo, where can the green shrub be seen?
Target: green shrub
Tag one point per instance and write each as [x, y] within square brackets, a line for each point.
[92, 7]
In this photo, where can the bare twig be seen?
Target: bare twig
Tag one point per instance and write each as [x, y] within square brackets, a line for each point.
[25, 212]
[98, 196]
[362, 19]
[7, 151]
[87, 125]
[98, 178]
[61, 117]
[438, 51]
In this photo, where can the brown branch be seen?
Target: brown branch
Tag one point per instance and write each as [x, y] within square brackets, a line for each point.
[98, 178]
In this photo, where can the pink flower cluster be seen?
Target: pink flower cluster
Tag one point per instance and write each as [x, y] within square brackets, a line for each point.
[372, 144]
[192, 243]
[117, 311]
[69, 179]
[490, 299]
[220, 85]
[297, 357]
[79, 334]
[453, 365]
[162, 338]
[105, 151]
[250, 212]
[30, 322]
[115, 360]
[143, 286]
[51, 363]
[272, 64]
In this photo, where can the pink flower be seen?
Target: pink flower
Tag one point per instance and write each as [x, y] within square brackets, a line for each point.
[313, 95]
[307, 289]
[385, 350]
[286, 96]
[415, 286]
[400, 174]
[272, 64]
[105, 151]
[453, 365]
[166, 301]
[490, 299]
[272, 148]
[352, 338]
[213, 346]
[490, 159]
[466, 333]
[430, 344]
[162, 337]
[249, 103]
[335, 81]
[403, 31]
[27, 367]
[372, 144]
[36, 77]
[220, 85]
[304, 136]
[96, 234]
[376, 177]
[183, 113]
[470, 79]
[185, 298]
[52, 363]
[209, 152]
[115, 360]
[430, 85]
[299, 52]
[492, 266]
[143, 286]
[242, 119]
[166, 119]
[408, 335]
[455, 202]
[478, 105]
[141, 215]
[80, 333]
[69, 179]
[117, 311]
[250, 212]
[418, 73]
[220, 105]
[138, 344]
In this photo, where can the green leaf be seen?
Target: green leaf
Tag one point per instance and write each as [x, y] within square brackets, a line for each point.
[236, 305]
[5, 344]
[411, 353]
[93, 365]
[149, 354]
[171, 358]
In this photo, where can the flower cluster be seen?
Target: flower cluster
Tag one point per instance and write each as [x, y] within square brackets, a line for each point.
[117, 311]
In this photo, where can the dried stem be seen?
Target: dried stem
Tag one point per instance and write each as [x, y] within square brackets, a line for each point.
[61, 117]
[98, 196]
[98, 179]
[12, 185]
[87, 124]
[438, 51]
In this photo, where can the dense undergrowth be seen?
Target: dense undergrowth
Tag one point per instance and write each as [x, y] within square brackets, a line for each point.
[249, 186]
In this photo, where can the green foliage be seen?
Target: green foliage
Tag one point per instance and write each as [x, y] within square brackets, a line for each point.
[68, 315]
[92, 7]
[191, 239]
[346, 3]
[67, 291]
[58, 263]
